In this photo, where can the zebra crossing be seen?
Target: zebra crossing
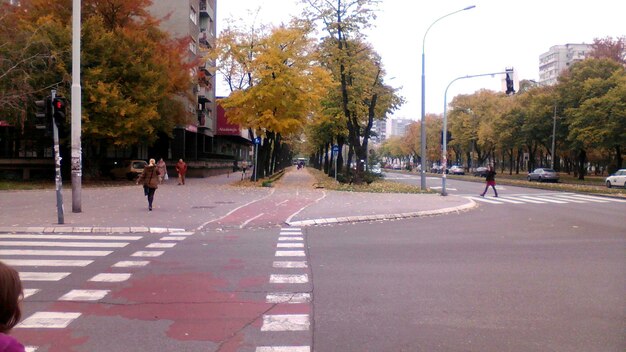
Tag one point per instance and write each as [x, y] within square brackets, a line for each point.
[40, 258]
[544, 198]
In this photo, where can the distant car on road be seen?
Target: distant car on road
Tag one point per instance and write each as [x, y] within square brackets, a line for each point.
[543, 174]
[481, 171]
[376, 170]
[617, 179]
[129, 169]
[456, 170]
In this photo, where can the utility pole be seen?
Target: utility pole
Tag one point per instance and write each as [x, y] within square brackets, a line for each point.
[57, 161]
[76, 161]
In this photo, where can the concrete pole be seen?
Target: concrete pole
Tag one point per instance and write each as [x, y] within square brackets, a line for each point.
[76, 161]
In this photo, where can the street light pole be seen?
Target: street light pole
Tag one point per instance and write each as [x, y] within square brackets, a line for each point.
[422, 123]
[76, 154]
[553, 138]
[444, 133]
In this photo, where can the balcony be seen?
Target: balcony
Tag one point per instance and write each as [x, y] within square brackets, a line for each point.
[205, 9]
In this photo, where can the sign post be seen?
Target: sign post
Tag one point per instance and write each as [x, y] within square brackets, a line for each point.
[335, 153]
[257, 141]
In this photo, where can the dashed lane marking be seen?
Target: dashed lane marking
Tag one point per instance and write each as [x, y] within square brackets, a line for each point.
[41, 276]
[47, 262]
[289, 298]
[290, 254]
[84, 295]
[108, 277]
[47, 252]
[131, 263]
[290, 264]
[65, 244]
[48, 320]
[289, 279]
[286, 322]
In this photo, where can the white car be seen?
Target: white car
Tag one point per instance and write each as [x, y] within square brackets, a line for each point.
[617, 179]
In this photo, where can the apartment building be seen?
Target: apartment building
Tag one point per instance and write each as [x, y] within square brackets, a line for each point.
[398, 126]
[559, 58]
[195, 21]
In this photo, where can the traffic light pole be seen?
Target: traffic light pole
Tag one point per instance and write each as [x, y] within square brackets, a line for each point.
[444, 133]
[76, 161]
[57, 162]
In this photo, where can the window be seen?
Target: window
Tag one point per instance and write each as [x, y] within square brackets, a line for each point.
[193, 16]
[192, 46]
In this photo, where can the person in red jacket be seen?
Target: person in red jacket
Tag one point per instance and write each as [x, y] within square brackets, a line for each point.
[10, 312]
[181, 168]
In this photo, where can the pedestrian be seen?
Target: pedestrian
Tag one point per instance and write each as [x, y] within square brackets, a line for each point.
[150, 180]
[162, 167]
[10, 312]
[243, 171]
[181, 168]
[490, 181]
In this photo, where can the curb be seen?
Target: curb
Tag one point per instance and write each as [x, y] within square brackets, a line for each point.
[350, 219]
[88, 229]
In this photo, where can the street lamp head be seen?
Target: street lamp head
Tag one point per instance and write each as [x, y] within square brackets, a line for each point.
[469, 7]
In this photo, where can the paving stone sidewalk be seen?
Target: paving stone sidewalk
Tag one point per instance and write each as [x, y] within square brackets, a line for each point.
[180, 208]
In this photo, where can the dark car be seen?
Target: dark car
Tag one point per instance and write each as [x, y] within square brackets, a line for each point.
[543, 175]
[481, 171]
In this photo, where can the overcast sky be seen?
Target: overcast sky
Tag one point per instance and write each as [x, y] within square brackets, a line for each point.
[494, 35]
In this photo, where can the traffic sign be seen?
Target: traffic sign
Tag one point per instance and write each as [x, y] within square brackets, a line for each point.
[335, 148]
[257, 140]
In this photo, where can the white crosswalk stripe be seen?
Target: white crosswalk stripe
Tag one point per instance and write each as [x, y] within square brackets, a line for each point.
[545, 198]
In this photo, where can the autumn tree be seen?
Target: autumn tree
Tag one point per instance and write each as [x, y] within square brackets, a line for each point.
[284, 90]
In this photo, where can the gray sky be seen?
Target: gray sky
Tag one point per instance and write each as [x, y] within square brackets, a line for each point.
[494, 35]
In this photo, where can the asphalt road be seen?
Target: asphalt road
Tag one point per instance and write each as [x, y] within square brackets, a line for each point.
[541, 271]
[514, 277]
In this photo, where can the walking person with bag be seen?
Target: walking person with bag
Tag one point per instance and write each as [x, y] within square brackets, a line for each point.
[181, 168]
[150, 180]
[162, 167]
[490, 181]
[10, 312]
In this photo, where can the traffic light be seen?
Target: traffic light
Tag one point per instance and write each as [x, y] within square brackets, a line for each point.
[58, 110]
[43, 114]
[510, 89]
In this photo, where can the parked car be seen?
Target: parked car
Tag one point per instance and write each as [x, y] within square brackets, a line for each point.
[129, 169]
[481, 171]
[617, 179]
[543, 174]
[376, 170]
[436, 169]
[456, 170]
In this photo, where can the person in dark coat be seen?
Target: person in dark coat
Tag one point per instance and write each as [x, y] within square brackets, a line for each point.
[490, 181]
[150, 180]
[11, 294]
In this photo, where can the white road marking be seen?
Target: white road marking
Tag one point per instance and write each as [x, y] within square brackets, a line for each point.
[161, 245]
[287, 234]
[290, 265]
[289, 279]
[181, 233]
[69, 237]
[49, 320]
[290, 229]
[30, 291]
[290, 245]
[30, 348]
[131, 263]
[65, 244]
[509, 200]
[283, 349]
[481, 199]
[598, 199]
[108, 277]
[251, 219]
[290, 298]
[572, 199]
[291, 238]
[447, 188]
[84, 295]
[549, 200]
[45, 262]
[290, 254]
[41, 276]
[285, 322]
[173, 238]
[54, 252]
[147, 253]
[528, 200]
[283, 202]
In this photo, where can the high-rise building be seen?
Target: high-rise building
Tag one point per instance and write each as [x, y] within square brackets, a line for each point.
[397, 126]
[379, 131]
[559, 58]
[195, 21]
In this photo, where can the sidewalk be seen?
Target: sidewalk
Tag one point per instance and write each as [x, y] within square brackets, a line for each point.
[188, 207]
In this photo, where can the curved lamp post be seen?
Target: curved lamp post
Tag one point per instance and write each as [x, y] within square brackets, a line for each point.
[422, 127]
[444, 133]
